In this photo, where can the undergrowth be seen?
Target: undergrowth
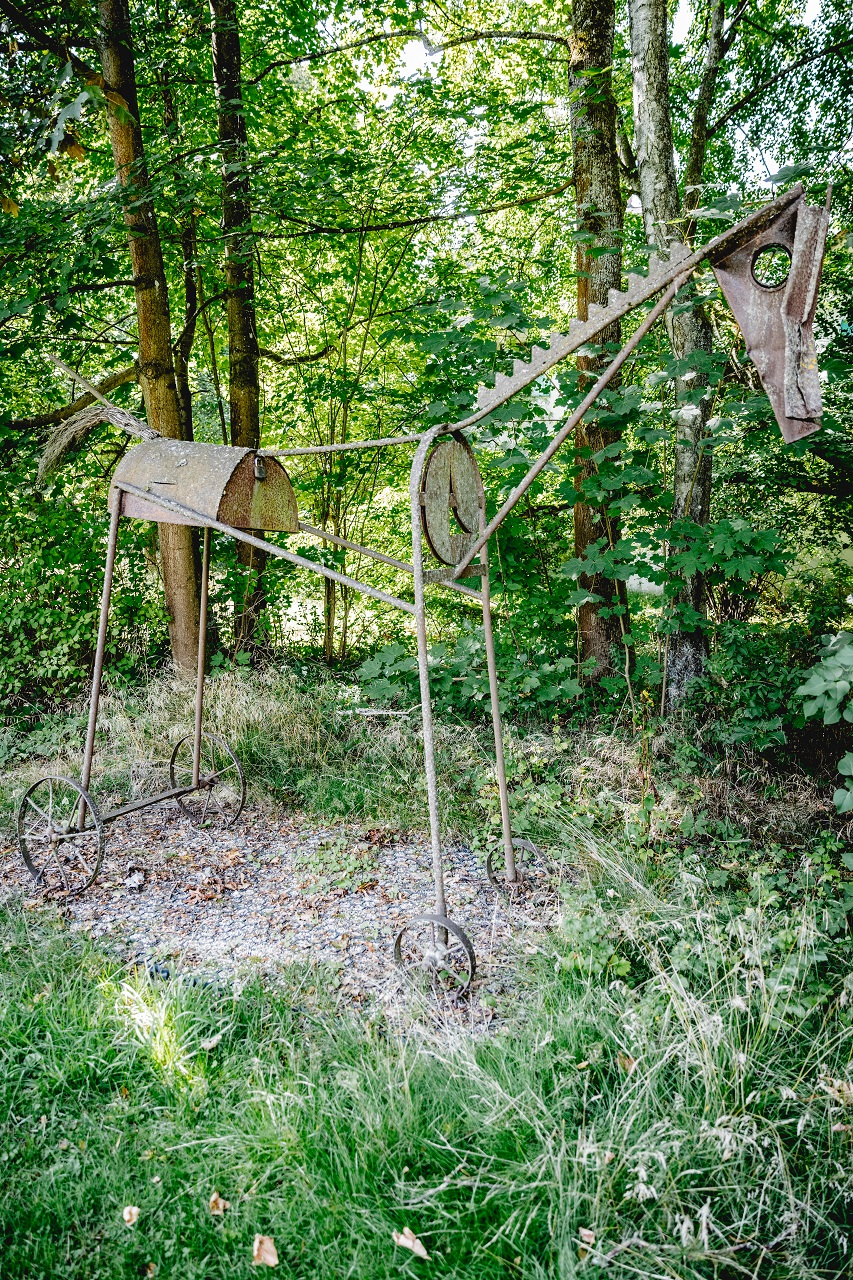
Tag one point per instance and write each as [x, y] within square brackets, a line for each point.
[671, 1095]
[665, 790]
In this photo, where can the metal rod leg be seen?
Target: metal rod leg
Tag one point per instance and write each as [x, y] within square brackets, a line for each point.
[509, 852]
[426, 711]
[97, 673]
[202, 653]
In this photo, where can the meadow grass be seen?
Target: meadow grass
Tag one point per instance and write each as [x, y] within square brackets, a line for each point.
[670, 1093]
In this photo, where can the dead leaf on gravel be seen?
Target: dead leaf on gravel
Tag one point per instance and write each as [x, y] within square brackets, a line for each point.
[130, 1213]
[407, 1239]
[264, 1252]
[217, 1204]
[212, 1042]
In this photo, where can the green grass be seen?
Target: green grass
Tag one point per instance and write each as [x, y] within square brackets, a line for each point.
[675, 1078]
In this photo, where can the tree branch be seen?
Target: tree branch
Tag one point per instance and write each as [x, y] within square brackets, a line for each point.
[411, 34]
[60, 49]
[780, 75]
[289, 361]
[42, 420]
[316, 228]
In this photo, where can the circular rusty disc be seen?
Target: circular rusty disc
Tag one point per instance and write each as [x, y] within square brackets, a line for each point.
[450, 491]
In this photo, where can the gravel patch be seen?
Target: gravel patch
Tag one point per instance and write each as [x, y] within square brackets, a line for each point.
[270, 892]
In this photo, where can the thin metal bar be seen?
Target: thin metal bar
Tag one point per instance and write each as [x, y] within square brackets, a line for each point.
[203, 521]
[174, 794]
[355, 546]
[97, 673]
[202, 653]
[423, 675]
[340, 448]
[396, 564]
[500, 763]
[562, 435]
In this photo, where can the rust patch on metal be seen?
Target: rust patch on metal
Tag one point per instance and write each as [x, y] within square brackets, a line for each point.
[259, 497]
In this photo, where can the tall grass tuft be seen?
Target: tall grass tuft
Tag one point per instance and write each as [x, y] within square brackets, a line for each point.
[670, 1094]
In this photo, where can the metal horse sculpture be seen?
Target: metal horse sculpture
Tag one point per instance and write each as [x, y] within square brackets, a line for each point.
[61, 830]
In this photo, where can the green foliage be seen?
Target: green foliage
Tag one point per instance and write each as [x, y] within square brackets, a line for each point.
[340, 863]
[748, 690]
[678, 1074]
[52, 551]
[459, 680]
[827, 693]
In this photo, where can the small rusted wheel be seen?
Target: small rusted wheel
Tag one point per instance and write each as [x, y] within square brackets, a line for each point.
[435, 954]
[60, 835]
[221, 793]
[496, 870]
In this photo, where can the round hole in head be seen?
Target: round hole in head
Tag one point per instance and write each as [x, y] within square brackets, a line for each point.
[771, 265]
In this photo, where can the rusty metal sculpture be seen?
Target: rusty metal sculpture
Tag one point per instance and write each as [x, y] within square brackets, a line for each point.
[234, 490]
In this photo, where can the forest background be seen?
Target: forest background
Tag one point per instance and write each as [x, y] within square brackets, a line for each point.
[293, 226]
[278, 225]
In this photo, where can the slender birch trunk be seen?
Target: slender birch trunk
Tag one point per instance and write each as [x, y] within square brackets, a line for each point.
[690, 331]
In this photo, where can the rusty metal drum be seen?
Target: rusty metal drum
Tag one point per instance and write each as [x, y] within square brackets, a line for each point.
[238, 487]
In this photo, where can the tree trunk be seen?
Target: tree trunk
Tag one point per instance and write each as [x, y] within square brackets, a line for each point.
[600, 212]
[689, 331]
[243, 359]
[157, 371]
[184, 344]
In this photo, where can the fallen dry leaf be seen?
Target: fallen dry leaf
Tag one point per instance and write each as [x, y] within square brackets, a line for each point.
[151, 1269]
[587, 1235]
[626, 1062]
[130, 1213]
[212, 1042]
[217, 1204]
[264, 1252]
[840, 1090]
[407, 1239]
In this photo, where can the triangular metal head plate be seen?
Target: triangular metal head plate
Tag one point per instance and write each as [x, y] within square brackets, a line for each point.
[776, 317]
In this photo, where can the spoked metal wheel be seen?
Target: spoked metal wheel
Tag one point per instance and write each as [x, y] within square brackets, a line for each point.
[221, 793]
[435, 954]
[60, 835]
[496, 868]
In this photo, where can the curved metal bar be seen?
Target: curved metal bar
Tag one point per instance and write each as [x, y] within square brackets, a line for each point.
[339, 448]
